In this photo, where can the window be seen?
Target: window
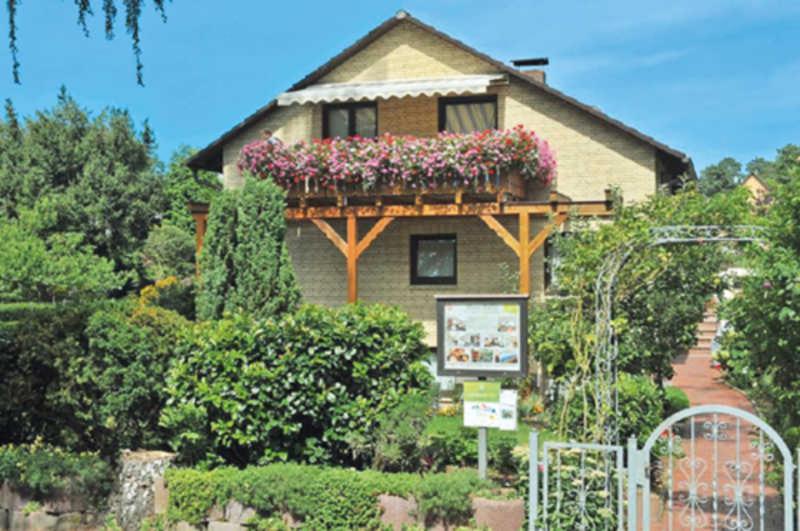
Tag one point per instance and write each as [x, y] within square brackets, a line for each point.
[433, 259]
[350, 119]
[467, 114]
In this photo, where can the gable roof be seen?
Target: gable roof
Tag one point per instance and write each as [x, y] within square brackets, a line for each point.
[210, 157]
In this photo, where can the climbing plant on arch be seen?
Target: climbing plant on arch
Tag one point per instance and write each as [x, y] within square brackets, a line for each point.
[607, 347]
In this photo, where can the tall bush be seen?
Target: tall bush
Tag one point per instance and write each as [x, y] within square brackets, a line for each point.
[764, 346]
[659, 296]
[245, 265]
[300, 387]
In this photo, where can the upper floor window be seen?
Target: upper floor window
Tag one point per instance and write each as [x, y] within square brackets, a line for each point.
[467, 114]
[350, 119]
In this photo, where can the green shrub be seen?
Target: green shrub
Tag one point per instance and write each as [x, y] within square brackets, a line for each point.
[454, 445]
[169, 251]
[641, 408]
[298, 388]
[115, 388]
[100, 370]
[320, 498]
[675, 400]
[45, 472]
[244, 264]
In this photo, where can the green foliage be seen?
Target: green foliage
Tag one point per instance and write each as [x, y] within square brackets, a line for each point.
[762, 352]
[183, 185]
[720, 177]
[169, 251]
[115, 388]
[73, 172]
[58, 268]
[779, 170]
[641, 409]
[399, 432]
[675, 400]
[245, 265]
[320, 498]
[300, 387]
[659, 296]
[98, 369]
[46, 472]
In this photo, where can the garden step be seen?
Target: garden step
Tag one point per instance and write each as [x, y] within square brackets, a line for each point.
[703, 343]
[700, 351]
[707, 326]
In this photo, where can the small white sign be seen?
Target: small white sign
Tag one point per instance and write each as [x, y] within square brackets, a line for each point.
[501, 415]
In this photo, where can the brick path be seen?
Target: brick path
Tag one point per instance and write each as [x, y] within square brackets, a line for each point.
[704, 385]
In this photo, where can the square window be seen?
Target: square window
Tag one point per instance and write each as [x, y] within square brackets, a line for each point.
[350, 119]
[433, 259]
[467, 114]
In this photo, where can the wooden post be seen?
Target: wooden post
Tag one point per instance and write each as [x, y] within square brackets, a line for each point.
[352, 258]
[524, 255]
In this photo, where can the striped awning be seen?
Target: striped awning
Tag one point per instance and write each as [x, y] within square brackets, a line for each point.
[371, 90]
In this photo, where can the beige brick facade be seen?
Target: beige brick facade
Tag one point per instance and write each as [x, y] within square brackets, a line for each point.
[384, 268]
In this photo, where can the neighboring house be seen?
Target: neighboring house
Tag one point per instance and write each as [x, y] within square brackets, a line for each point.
[759, 191]
[407, 78]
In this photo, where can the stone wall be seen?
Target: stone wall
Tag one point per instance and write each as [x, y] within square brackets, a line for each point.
[139, 493]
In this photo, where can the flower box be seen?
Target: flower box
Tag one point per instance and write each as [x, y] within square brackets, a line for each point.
[488, 162]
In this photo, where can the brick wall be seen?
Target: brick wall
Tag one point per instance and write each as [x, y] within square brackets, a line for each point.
[384, 268]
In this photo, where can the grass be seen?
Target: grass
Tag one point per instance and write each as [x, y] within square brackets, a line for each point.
[442, 423]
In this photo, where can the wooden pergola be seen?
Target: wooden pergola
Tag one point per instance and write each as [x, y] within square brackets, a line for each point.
[557, 210]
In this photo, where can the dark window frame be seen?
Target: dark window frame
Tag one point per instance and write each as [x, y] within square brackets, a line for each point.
[444, 102]
[416, 279]
[351, 108]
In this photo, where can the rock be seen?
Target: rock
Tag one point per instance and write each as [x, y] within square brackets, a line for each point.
[11, 499]
[35, 521]
[224, 526]
[216, 513]
[236, 513]
[70, 521]
[134, 497]
[499, 515]
[185, 526]
[64, 504]
[396, 511]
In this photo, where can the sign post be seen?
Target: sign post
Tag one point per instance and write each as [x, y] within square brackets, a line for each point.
[484, 336]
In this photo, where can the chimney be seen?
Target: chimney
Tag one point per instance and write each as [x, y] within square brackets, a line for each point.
[535, 74]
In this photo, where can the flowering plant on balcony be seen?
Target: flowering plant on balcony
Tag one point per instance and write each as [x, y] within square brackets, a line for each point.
[447, 160]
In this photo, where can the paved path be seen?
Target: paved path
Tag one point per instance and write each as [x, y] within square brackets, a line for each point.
[726, 460]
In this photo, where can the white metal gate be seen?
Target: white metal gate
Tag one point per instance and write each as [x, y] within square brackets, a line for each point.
[706, 467]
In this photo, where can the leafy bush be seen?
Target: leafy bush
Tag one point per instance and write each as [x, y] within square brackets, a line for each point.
[658, 298]
[115, 389]
[169, 251]
[98, 369]
[245, 265]
[321, 498]
[298, 387]
[675, 400]
[641, 408]
[762, 349]
[46, 472]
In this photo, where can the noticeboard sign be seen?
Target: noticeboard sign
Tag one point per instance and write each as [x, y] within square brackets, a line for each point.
[482, 335]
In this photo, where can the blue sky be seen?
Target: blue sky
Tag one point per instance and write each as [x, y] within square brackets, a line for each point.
[710, 77]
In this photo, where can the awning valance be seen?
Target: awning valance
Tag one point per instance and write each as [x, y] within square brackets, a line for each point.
[371, 90]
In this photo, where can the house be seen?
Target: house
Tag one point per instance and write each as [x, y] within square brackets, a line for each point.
[403, 245]
[759, 191]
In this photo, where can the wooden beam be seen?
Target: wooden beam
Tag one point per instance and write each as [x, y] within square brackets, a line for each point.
[524, 255]
[501, 231]
[373, 233]
[352, 259]
[585, 208]
[200, 225]
[541, 237]
[331, 234]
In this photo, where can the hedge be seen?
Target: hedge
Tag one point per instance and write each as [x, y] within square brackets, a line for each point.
[307, 387]
[319, 497]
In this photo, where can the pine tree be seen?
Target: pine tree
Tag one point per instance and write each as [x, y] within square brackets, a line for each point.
[245, 264]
